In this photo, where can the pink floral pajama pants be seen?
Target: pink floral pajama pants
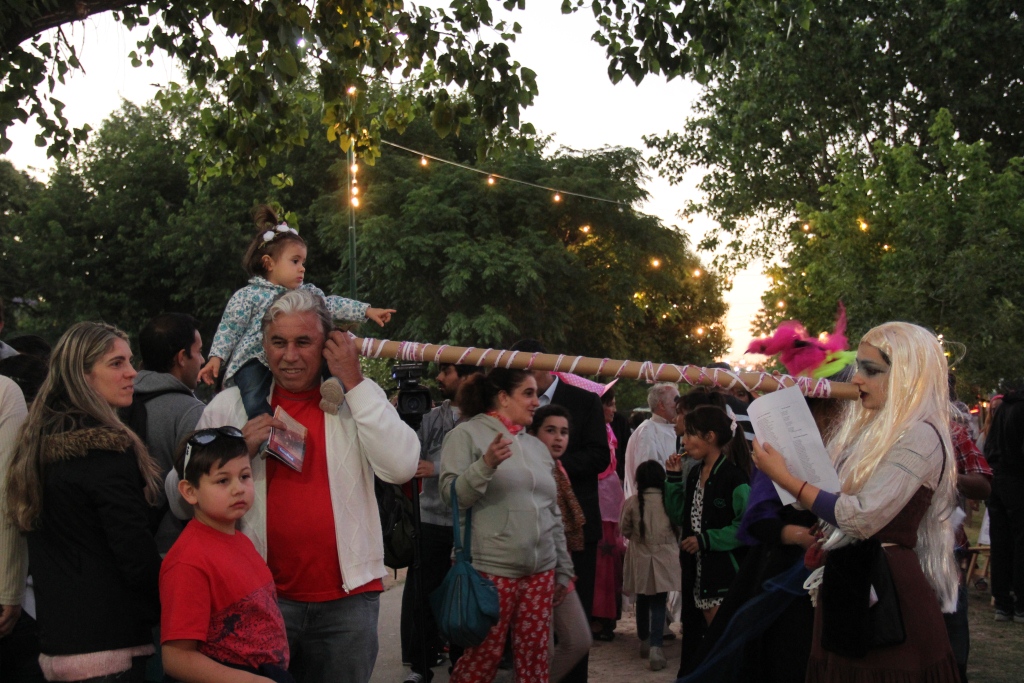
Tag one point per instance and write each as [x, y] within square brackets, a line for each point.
[526, 605]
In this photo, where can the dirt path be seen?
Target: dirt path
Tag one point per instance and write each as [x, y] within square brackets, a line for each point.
[997, 649]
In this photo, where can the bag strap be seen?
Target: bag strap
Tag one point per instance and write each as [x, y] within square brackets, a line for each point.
[943, 447]
[460, 553]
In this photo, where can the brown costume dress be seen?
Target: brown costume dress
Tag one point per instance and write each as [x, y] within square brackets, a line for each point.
[925, 656]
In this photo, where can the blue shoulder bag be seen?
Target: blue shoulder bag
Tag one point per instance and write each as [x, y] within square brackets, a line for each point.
[465, 605]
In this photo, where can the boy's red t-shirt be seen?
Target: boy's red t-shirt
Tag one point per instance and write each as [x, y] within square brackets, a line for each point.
[302, 546]
[216, 589]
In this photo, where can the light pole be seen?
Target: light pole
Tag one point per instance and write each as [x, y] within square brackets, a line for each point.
[353, 202]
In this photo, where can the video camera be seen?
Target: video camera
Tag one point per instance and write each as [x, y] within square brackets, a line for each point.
[413, 398]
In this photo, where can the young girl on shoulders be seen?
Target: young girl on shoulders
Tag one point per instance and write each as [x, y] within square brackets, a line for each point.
[275, 262]
[651, 567]
[709, 506]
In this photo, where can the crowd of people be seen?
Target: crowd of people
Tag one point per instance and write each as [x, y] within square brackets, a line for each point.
[147, 536]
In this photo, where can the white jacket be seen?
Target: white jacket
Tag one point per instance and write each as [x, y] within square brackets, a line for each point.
[366, 437]
[654, 439]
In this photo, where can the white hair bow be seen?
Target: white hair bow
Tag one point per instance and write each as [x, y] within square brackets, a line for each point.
[732, 417]
[269, 235]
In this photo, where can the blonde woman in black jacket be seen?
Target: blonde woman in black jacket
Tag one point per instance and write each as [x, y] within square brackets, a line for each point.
[81, 485]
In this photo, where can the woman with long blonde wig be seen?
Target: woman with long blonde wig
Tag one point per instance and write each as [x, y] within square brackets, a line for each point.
[897, 496]
[81, 486]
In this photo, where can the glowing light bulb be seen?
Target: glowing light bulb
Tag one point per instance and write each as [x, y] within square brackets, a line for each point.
[781, 304]
[557, 197]
[355, 201]
[490, 180]
[862, 224]
[423, 161]
[807, 227]
[354, 168]
[355, 190]
[700, 330]
[655, 262]
[352, 90]
[696, 272]
[585, 229]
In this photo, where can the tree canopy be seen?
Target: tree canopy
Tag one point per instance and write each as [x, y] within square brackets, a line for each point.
[929, 234]
[784, 108]
[243, 60]
[120, 234]
[488, 264]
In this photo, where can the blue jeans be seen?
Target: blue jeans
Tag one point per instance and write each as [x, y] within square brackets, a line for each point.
[332, 641]
[650, 617]
[253, 381]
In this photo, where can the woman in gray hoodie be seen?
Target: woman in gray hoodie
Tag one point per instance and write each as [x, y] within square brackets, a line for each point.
[518, 540]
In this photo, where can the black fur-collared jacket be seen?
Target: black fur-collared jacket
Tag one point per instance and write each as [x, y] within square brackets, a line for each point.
[94, 563]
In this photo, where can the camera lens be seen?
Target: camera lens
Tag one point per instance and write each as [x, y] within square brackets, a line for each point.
[413, 403]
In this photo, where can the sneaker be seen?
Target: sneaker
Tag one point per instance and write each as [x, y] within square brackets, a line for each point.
[413, 677]
[645, 648]
[657, 659]
[1003, 615]
[332, 396]
[439, 659]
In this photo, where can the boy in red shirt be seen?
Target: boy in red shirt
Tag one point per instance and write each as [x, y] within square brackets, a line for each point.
[220, 621]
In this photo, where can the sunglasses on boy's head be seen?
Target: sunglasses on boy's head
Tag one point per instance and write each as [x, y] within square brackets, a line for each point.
[204, 437]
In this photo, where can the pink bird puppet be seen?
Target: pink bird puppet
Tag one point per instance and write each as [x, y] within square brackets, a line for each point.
[801, 353]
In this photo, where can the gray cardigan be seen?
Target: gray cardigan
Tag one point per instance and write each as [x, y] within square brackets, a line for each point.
[517, 527]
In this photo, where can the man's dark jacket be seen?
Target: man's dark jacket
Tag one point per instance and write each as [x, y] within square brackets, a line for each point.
[1004, 445]
[587, 455]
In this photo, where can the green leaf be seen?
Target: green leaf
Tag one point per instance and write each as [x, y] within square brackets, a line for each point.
[286, 63]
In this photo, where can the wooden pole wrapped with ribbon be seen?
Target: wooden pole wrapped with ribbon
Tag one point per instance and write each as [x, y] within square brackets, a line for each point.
[694, 375]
